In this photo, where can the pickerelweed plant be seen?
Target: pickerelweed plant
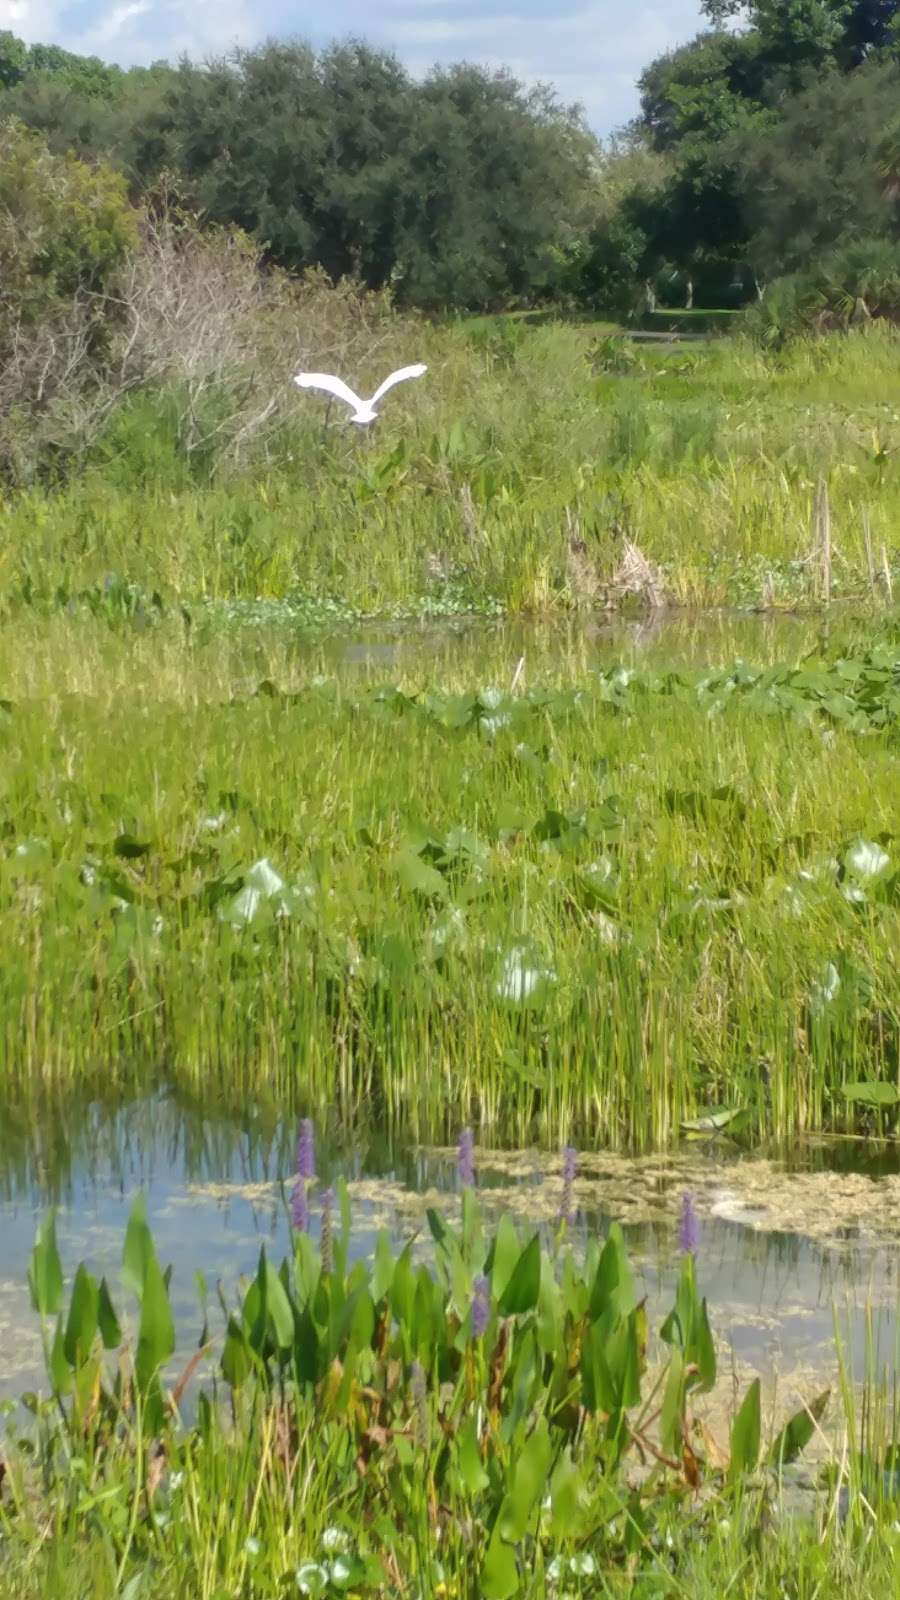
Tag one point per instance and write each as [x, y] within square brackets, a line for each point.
[499, 1409]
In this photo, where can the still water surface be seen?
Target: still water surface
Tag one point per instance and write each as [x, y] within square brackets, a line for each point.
[216, 1191]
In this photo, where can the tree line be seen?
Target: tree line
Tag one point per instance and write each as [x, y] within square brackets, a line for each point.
[763, 147]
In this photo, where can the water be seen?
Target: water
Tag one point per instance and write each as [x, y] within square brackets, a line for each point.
[215, 1195]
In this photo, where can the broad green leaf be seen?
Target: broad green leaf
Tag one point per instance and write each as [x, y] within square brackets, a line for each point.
[500, 1573]
[745, 1434]
[60, 1372]
[107, 1321]
[505, 1252]
[471, 1470]
[796, 1434]
[872, 1094]
[45, 1271]
[139, 1250]
[156, 1333]
[81, 1327]
[521, 1293]
[529, 1483]
[670, 1420]
[236, 1358]
[613, 1285]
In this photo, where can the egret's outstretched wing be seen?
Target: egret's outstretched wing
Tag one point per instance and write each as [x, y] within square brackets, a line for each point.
[331, 385]
[399, 376]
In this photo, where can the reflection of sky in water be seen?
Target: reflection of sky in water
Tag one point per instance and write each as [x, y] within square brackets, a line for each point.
[771, 1295]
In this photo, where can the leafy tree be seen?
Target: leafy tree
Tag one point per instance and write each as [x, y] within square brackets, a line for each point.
[13, 59]
[64, 226]
[813, 179]
[805, 32]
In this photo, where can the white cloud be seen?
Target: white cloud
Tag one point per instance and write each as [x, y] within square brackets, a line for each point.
[592, 50]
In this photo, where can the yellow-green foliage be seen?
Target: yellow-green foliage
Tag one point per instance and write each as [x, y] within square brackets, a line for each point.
[64, 225]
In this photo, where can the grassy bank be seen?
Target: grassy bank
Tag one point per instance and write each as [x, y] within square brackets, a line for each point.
[508, 478]
[609, 900]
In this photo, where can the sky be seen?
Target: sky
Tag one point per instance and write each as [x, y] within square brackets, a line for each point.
[591, 50]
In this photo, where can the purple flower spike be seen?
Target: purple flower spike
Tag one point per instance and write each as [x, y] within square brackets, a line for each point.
[326, 1243]
[689, 1226]
[481, 1306]
[306, 1151]
[300, 1207]
[465, 1159]
[567, 1204]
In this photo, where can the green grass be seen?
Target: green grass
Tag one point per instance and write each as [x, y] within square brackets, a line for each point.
[470, 490]
[600, 905]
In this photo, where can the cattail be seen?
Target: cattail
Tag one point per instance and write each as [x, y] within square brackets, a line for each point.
[567, 1204]
[689, 1226]
[327, 1236]
[465, 1159]
[481, 1306]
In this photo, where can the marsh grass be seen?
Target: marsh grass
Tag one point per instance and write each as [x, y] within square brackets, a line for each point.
[604, 906]
[708, 458]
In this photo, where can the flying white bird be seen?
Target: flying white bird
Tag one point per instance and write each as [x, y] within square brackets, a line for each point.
[363, 410]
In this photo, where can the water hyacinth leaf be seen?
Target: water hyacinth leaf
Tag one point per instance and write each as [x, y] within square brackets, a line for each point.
[469, 1464]
[45, 1277]
[418, 877]
[796, 1434]
[881, 1095]
[139, 1249]
[523, 980]
[866, 860]
[156, 1332]
[715, 1120]
[59, 1371]
[745, 1434]
[522, 1291]
[613, 1285]
[278, 1307]
[500, 1572]
[529, 1482]
[504, 1254]
[107, 1321]
[81, 1325]
[672, 1413]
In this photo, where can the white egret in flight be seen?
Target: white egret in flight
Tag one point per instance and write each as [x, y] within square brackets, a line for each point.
[363, 410]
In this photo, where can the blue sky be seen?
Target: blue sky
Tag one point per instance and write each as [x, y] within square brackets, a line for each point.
[592, 50]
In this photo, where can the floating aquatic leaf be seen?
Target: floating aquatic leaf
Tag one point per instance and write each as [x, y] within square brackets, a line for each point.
[522, 980]
[866, 860]
[882, 1095]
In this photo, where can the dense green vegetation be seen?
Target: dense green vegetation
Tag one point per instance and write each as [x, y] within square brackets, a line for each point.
[500, 1421]
[604, 901]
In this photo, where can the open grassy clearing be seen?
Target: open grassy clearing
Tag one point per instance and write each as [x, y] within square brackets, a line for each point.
[510, 480]
[601, 905]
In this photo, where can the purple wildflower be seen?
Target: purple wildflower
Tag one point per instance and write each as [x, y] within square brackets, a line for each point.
[300, 1207]
[465, 1159]
[689, 1226]
[306, 1151]
[327, 1236]
[481, 1306]
[567, 1204]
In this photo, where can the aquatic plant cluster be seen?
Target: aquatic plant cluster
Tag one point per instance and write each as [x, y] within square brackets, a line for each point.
[603, 908]
[479, 1422]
